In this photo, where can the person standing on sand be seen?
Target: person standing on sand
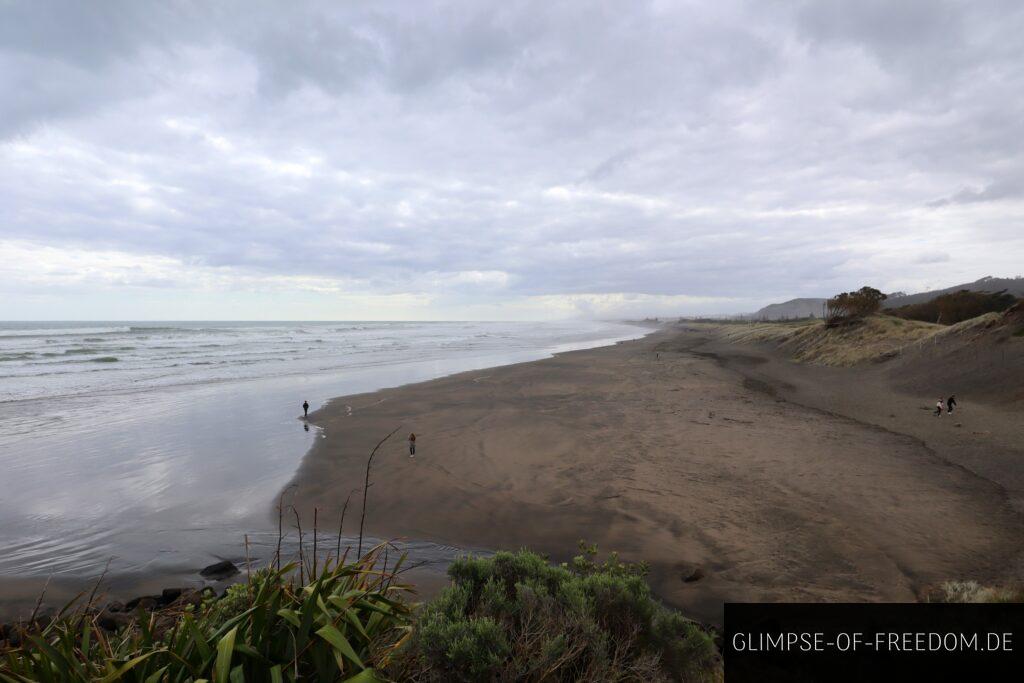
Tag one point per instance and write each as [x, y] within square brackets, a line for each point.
[938, 408]
[950, 403]
[305, 409]
[412, 445]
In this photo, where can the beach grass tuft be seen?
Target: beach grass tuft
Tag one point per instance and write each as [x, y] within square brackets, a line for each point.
[974, 592]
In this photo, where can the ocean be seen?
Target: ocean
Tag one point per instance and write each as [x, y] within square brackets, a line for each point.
[157, 447]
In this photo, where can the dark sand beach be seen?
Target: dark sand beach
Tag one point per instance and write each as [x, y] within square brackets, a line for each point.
[736, 474]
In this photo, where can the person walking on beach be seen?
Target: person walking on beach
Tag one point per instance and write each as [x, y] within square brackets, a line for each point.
[938, 408]
[412, 445]
[305, 409]
[950, 403]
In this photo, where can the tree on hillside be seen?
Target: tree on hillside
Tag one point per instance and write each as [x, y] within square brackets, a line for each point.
[854, 305]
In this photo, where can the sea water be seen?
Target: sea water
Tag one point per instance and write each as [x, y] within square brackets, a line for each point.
[158, 447]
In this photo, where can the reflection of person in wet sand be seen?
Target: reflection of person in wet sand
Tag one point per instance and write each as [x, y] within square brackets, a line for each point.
[305, 409]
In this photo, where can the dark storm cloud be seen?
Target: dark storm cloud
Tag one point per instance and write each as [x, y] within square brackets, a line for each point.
[742, 150]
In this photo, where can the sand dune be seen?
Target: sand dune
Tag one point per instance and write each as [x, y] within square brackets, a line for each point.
[691, 453]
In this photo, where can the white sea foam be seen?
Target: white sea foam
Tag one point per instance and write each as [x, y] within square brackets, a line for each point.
[41, 361]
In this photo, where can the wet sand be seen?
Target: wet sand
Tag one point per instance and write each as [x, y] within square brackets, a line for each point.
[776, 481]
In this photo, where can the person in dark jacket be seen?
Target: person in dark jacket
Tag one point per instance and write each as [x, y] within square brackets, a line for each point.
[950, 403]
[305, 408]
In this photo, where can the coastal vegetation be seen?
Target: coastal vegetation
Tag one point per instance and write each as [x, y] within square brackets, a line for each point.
[858, 331]
[515, 617]
[949, 309]
[343, 623]
[873, 338]
[974, 592]
[853, 306]
[510, 617]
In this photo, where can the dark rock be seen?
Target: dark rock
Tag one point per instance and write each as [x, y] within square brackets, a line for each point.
[169, 595]
[12, 635]
[115, 606]
[112, 621]
[694, 576]
[192, 597]
[146, 602]
[220, 570]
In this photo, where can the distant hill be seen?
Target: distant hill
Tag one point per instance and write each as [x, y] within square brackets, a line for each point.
[808, 308]
[794, 308]
[1013, 285]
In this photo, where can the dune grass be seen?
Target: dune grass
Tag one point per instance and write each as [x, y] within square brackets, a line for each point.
[974, 592]
[868, 340]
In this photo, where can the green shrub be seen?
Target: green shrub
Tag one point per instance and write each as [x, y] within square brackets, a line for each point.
[850, 306]
[516, 617]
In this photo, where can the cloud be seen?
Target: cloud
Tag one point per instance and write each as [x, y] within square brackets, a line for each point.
[996, 191]
[933, 257]
[470, 157]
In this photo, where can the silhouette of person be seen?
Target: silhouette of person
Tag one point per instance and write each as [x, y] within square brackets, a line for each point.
[412, 445]
[950, 403]
[305, 408]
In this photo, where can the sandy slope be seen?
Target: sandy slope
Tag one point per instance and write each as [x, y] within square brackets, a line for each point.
[687, 453]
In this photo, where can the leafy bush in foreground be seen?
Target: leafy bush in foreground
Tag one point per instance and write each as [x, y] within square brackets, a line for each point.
[515, 617]
[343, 624]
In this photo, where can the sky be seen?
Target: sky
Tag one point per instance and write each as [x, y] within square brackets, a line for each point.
[501, 160]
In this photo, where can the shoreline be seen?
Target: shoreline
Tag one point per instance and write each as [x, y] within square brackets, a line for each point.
[19, 592]
[652, 449]
[615, 435]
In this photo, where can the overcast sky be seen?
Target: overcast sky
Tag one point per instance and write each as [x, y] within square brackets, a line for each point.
[499, 160]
